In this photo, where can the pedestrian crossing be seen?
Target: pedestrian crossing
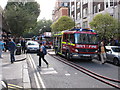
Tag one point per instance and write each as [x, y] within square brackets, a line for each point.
[48, 71]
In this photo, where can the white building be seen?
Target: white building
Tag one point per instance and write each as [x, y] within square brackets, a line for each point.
[83, 11]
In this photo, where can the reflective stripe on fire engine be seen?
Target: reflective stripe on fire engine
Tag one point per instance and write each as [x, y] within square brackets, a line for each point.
[71, 44]
[59, 53]
[57, 34]
[68, 43]
[63, 42]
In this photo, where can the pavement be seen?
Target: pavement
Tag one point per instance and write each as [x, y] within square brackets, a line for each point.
[16, 74]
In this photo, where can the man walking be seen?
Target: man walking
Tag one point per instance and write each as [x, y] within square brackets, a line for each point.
[1, 47]
[42, 52]
[12, 47]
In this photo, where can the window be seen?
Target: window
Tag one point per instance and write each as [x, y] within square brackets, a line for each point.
[116, 49]
[78, 5]
[98, 10]
[92, 38]
[78, 15]
[85, 38]
[65, 36]
[85, 24]
[95, 9]
[73, 17]
[111, 3]
[72, 40]
[85, 12]
[81, 38]
[73, 7]
[106, 4]
[85, 1]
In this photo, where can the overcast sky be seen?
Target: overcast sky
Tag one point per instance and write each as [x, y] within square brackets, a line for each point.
[46, 7]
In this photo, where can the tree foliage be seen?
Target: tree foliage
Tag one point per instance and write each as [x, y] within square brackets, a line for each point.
[105, 25]
[21, 16]
[63, 23]
[42, 26]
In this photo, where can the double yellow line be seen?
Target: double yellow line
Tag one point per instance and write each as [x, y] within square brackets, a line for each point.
[14, 86]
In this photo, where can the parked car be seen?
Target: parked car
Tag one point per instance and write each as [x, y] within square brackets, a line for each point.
[113, 54]
[32, 46]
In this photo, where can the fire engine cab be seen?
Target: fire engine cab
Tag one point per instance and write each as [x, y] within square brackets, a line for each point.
[76, 43]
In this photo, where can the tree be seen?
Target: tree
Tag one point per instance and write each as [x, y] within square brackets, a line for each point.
[63, 23]
[42, 26]
[21, 16]
[105, 25]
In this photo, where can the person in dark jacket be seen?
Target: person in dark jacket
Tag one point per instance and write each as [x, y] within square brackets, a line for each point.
[23, 44]
[42, 53]
[12, 48]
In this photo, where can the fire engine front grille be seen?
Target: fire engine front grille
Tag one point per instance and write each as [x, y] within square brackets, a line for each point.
[87, 50]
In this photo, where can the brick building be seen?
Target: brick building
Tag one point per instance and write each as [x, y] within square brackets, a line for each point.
[61, 9]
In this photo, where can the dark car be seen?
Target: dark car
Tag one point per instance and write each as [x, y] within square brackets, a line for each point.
[113, 54]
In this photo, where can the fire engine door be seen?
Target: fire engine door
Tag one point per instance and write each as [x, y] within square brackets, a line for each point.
[59, 44]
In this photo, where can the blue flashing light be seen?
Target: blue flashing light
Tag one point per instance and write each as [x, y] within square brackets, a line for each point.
[87, 30]
[80, 29]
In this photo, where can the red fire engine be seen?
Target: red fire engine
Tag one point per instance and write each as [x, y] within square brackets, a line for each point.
[76, 43]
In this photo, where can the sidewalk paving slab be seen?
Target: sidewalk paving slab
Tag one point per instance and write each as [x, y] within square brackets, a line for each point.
[16, 73]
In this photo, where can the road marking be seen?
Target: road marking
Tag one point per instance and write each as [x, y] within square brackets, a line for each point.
[75, 73]
[39, 77]
[36, 80]
[14, 86]
[48, 71]
[67, 74]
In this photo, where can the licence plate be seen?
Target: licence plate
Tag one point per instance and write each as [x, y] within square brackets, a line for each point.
[86, 55]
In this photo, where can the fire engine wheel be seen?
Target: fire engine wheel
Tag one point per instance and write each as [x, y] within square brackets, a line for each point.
[68, 55]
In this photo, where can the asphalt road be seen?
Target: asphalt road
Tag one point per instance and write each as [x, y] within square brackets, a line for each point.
[60, 75]
[107, 69]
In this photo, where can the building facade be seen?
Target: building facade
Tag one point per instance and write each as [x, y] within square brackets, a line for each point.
[83, 11]
[61, 9]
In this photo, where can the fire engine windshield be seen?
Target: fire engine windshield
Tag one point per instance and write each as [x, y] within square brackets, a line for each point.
[81, 38]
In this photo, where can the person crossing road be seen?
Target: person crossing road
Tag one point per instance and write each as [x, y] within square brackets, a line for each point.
[41, 53]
